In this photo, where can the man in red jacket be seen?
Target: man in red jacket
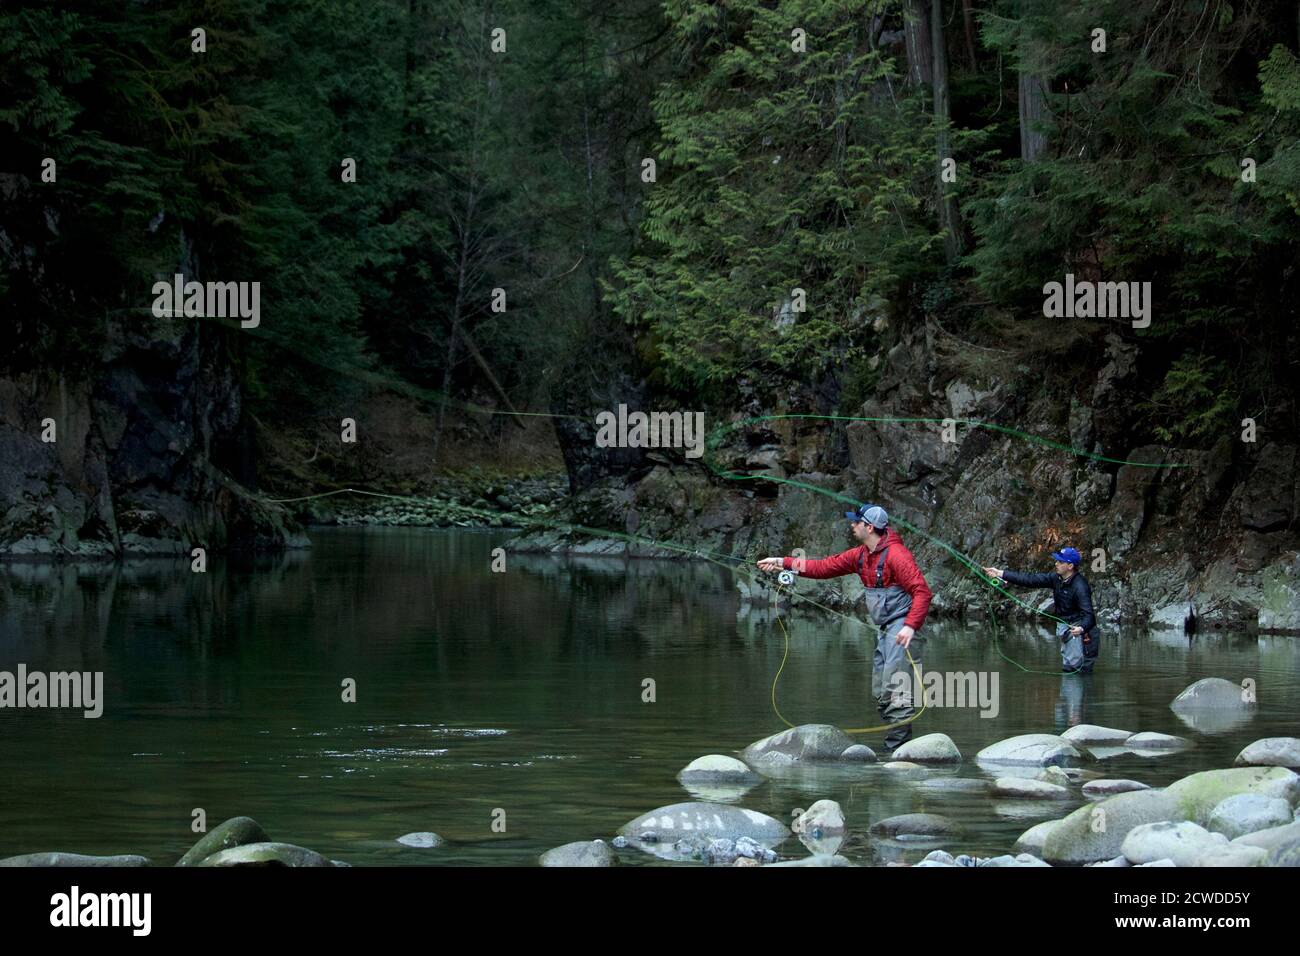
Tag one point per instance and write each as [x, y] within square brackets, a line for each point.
[897, 599]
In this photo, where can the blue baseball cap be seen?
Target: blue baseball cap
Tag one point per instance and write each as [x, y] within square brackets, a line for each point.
[1069, 555]
[872, 514]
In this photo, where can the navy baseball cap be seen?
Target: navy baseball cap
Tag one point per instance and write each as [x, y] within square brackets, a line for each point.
[1069, 555]
[872, 514]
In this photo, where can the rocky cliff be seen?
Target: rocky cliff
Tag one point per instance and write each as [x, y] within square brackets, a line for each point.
[136, 464]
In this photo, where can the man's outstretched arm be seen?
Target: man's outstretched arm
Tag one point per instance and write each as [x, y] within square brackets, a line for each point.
[846, 562]
[1031, 580]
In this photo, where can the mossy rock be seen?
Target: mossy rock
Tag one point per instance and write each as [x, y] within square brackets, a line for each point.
[237, 831]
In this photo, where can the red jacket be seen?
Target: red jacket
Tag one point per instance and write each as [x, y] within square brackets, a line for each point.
[900, 569]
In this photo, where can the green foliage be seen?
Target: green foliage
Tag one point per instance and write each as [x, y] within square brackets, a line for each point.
[1195, 401]
[776, 170]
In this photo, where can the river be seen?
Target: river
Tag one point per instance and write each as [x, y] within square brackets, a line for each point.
[513, 697]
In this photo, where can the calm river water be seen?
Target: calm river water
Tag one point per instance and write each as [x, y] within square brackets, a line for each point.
[518, 691]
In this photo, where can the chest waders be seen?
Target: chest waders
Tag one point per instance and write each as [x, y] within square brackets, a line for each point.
[891, 672]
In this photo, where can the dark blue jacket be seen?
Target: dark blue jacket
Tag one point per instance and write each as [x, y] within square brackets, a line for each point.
[1073, 597]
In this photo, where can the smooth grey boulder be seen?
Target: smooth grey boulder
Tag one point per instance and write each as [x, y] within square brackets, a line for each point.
[1183, 842]
[713, 820]
[1272, 838]
[1032, 840]
[1109, 787]
[858, 753]
[823, 819]
[1147, 740]
[1023, 788]
[817, 859]
[266, 854]
[1054, 774]
[1031, 750]
[580, 853]
[954, 785]
[902, 766]
[1020, 859]
[237, 831]
[1232, 855]
[931, 748]
[1086, 734]
[1096, 832]
[937, 858]
[61, 859]
[717, 768]
[1284, 854]
[915, 825]
[421, 840]
[1271, 752]
[1247, 812]
[1213, 693]
[807, 743]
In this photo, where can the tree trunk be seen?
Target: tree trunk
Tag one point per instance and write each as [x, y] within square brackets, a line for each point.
[949, 217]
[968, 18]
[916, 33]
[1033, 110]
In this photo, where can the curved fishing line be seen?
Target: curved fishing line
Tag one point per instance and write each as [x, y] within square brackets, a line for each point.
[714, 557]
[970, 422]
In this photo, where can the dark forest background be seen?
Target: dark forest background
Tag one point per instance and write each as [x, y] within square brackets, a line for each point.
[774, 169]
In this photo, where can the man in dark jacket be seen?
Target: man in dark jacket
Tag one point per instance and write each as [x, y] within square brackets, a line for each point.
[1080, 639]
[897, 599]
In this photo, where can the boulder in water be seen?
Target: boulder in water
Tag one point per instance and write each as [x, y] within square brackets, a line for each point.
[1212, 693]
[1097, 832]
[807, 743]
[421, 840]
[1107, 787]
[715, 769]
[668, 824]
[266, 854]
[1031, 750]
[931, 748]
[1086, 734]
[1148, 740]
[916, 826]
[1023, 788]
[817, 859]
[581, 853]
[1032, 840]
[1271, 752]
[60, 859]
[858, 753]
[237, 831]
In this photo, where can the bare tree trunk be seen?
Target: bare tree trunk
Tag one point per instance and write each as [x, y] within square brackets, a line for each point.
[1033, 110]
[916, 33]
[949, 217]
[968, 17]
